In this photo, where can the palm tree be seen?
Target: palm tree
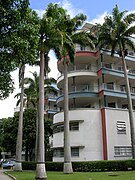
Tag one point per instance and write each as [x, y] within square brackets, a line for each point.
[115, 33]
[68, 36]
[18, 164]
[31, 91]
[47, 39]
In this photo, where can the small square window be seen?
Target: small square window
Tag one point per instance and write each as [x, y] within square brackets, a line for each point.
[74, 126]
[75, 151]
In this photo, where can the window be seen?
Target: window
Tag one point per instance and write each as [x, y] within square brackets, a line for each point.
[110, 86]
[111, 105]
[133, 89]
[124, 106]
[75, 151]
[122, 151]
[82, 48]
[120, 68]
[58, 128]
[108, 66]
[123, 88]
[59, 152]
[74, 126]
[121, 127]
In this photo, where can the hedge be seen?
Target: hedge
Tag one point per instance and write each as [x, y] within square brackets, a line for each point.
[87, 166]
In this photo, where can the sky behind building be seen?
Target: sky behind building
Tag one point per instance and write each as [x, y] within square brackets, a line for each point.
[95, 12]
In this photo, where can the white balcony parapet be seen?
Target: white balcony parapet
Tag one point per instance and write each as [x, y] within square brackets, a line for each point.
[80, 68]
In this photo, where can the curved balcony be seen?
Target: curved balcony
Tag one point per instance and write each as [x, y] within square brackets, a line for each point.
[81, 57]
[80, 96]
[80, 73]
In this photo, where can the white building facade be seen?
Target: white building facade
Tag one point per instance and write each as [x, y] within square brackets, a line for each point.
[98, 107]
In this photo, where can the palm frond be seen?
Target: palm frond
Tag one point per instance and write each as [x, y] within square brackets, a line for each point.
[50, 81]
[130, 31]
[51, 90]
[129, 19]
[130, 43]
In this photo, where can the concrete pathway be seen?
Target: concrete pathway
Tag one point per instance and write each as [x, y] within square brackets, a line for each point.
[4, 176]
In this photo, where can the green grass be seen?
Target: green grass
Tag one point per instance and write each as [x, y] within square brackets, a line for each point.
[30, 175]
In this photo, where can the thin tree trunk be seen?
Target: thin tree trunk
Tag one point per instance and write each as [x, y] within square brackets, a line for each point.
[18, 164]
[26, 153]
[36, 133]
[130, 108]
[67, 149]
[40, 165]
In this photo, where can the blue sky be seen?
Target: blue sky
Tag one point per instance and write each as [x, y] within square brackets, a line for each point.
[95, 11]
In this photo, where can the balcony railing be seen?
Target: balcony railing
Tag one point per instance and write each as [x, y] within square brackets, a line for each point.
[118, 88]
[83, 88]
[118, 68]
[86, 67]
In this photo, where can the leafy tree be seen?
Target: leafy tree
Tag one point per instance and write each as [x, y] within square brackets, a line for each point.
[115, 34]
[18, 34]
[8, 130]
[19, 42]
[29, 133]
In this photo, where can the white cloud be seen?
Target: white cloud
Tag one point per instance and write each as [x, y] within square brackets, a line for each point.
[53, 65]
[40, 12]
[66, 5]
[100, 18]
[69, 7]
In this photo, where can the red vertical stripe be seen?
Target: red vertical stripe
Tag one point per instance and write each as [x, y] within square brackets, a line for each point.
[105, 155]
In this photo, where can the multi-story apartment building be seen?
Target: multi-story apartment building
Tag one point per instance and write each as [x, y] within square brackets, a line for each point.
[99, 119]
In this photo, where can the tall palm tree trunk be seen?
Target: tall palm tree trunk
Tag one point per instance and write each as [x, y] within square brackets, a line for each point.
[36, 133]
[67, 149]
[130, 107]
[40, 164]
[18, 164]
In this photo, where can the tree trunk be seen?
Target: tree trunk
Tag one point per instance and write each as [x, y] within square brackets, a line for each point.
[26, 152]
[40, 164]
[130, 108]
[36, 133]
[67, 149]
[18, 164]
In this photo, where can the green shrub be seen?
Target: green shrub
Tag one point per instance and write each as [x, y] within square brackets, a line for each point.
[31, 165]
[86, 166]
[54, 166]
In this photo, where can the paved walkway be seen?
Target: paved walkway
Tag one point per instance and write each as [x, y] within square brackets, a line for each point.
[4, 176]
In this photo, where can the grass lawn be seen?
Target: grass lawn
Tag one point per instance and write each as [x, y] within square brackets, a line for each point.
[30, 175]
